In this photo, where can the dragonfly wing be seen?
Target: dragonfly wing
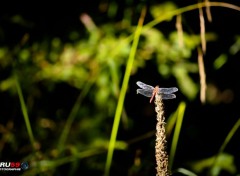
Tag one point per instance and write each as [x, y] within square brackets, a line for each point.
[167, 90]
[168, 96]
[144, 86]
[145, 92]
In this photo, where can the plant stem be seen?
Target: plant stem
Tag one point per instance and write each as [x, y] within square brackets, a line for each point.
[160, 148]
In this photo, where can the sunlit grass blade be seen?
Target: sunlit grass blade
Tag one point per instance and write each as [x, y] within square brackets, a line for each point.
[25, 113]
[123, 90]
[180, 114]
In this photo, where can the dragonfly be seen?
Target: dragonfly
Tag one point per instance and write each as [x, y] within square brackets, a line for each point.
[150, 91]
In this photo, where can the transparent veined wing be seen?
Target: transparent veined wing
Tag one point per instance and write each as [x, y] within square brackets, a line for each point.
[145, 92]
[167, 90]
[145, 86]
[168, 96]
[150, 91]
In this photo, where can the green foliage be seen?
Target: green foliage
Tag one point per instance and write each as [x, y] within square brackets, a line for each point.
[92, 66]
[161, 9]
[220, 61]
[225, 162]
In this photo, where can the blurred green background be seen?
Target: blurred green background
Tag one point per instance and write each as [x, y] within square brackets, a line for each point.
[61, 72]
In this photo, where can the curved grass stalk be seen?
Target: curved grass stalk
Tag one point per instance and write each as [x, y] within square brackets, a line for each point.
[189, 8]
[123, 91]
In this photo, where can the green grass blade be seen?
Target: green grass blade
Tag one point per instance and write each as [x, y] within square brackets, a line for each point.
[25, 113]
[226, 141]
[123, 93]
[180, 114]
[229, 136]
[72, 116]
